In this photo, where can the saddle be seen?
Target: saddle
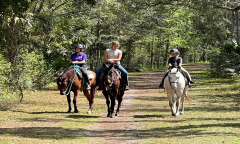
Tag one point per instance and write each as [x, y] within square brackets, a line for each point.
[79, 72]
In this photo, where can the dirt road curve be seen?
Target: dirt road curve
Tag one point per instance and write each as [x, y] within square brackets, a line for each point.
[113, 130]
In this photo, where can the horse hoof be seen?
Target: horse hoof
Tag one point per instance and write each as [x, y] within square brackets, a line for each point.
[177, 115]
[181, 113]
[89, 112]
[108, 115]
[117, 114]
[76, 111]
[68, 111]
[111, 116]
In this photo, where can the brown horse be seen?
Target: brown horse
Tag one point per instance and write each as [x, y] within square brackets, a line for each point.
[70, 81]
[112, 88]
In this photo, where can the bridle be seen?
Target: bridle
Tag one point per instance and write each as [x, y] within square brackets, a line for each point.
[109, 78]
[177, 80]
[70, 82]
[107, 83]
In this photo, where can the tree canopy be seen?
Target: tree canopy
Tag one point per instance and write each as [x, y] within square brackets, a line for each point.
[37, 36]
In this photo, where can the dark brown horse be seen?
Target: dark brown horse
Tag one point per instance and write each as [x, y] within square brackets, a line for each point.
[70, 81]
[112, 88]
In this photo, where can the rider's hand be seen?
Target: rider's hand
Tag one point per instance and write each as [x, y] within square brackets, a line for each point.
[169, 65]
[111, 61]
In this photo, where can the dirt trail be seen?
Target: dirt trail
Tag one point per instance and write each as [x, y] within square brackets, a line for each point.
[114, 129]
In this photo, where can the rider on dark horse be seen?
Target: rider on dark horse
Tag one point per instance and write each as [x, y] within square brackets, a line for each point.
[113, 55]
[80, 58]
[176, 61]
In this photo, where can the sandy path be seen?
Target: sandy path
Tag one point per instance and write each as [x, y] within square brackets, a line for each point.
[113, 130]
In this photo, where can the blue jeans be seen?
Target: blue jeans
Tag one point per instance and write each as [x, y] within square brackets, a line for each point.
[124, 74]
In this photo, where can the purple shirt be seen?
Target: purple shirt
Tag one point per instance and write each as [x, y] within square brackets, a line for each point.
[81, 57]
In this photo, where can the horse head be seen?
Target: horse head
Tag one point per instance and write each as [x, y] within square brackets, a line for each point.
[64, 79]
[174, 75]
[111, 76]
[62, 83]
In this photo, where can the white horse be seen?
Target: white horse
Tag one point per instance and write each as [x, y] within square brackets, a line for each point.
[176, 88]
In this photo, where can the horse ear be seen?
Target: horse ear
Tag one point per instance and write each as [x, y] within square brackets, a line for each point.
[111, 65]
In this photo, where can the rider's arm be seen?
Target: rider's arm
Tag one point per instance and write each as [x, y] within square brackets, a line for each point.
[106, 57]
[180, 64]
[119, 58]
[112, 60]
[77, 62]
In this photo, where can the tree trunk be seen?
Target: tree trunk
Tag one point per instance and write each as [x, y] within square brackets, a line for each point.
[166, 53]
[129, 54]
[237, 30]
[152, 51]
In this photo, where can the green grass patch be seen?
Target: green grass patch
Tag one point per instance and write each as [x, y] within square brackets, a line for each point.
[211, 116]
[42, 118]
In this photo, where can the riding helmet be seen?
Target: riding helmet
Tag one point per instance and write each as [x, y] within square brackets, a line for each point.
[174, 51]
[79, 46]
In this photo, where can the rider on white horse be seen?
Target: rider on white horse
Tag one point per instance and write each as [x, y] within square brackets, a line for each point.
[176, 61]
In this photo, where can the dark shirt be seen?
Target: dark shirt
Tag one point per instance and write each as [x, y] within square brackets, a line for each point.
[174, 61]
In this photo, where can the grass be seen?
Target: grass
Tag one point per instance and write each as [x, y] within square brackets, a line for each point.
[212, 115]
[42, 118]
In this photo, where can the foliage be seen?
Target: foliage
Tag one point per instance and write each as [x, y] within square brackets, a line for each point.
[4, 72]
[226, 56]
[147, 30]
[30, 72]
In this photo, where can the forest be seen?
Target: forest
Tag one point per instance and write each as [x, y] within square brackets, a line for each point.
[37, 37]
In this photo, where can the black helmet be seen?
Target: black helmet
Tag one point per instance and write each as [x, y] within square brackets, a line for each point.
[174, 51]
[79, 46]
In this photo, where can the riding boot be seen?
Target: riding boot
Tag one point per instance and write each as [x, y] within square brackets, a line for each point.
[162, 82]
[161, 85]
[192, 82]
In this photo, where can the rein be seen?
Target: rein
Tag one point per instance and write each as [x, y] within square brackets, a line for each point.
[69, 89]
[108, 85]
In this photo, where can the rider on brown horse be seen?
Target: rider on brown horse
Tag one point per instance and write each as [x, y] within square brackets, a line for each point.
[113, 55]
[80, 58]
[176, 61]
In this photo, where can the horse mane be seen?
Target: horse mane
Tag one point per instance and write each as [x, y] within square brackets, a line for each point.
[115, 75]
[64, 74]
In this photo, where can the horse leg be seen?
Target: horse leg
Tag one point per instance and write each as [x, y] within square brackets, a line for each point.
[69, 103]
[107, 102]
[75, 101]
[178, 101]
[182, 103]
[172, 103]
[90, 98]
[112, 97]
[120, 98]
[177, 106]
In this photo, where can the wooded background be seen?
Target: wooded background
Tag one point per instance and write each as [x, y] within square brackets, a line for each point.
[37, 37]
